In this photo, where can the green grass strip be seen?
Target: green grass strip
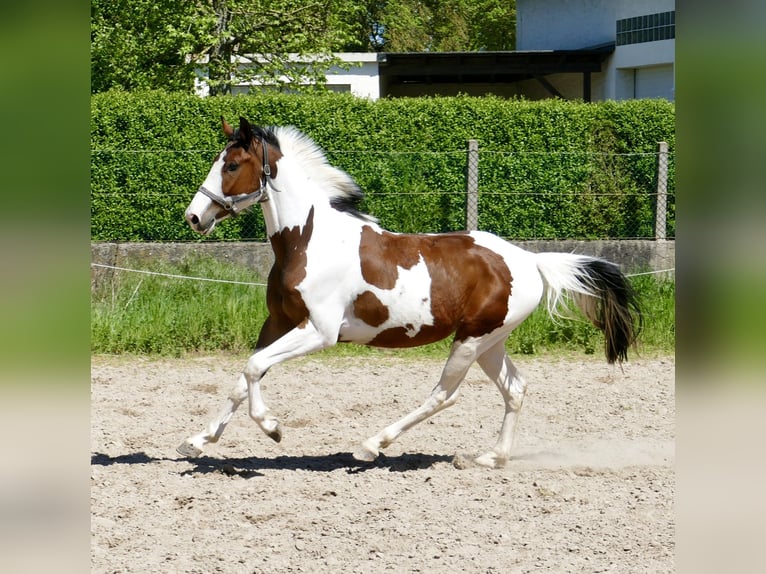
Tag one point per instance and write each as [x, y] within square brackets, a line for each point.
[168, 316]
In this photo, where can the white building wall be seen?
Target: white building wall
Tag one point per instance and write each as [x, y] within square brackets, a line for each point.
[654, 82]
[361, 79]
[629, 63]
[564, 24]
[630, 8]
[646, 69]
[633, 71]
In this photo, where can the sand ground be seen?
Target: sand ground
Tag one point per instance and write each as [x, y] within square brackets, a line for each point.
[590, 487]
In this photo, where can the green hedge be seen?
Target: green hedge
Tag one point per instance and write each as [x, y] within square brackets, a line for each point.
[548, 169]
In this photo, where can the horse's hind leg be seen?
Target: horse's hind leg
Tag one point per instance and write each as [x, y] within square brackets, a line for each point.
[498, 367]
[192, 446]
[443, 395]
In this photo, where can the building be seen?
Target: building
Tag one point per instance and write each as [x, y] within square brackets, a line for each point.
[572, 49]
[641, 34]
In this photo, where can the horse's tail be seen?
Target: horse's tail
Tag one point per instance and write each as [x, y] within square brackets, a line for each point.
[600, 291]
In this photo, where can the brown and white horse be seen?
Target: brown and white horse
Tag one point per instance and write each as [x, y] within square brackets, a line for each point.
[340, 277]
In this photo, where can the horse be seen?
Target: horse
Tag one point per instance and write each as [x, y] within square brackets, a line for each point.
[339, 277]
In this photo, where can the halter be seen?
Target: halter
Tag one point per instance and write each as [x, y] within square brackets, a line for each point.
[232, 204]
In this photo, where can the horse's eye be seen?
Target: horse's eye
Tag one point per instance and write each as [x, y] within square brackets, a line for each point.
[233, 166]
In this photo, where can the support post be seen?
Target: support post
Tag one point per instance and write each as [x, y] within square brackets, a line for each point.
[472, 187]
[661, 207]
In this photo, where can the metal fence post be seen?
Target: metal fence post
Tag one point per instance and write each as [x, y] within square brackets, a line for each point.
[472, 187]
[661, 208]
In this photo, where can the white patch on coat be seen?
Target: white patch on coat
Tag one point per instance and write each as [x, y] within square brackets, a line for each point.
[408, 304]
[201, 205]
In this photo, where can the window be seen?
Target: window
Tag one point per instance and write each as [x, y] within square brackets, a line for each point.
[649, 28]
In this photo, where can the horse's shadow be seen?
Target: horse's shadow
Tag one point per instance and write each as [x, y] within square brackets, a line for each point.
[253, 466]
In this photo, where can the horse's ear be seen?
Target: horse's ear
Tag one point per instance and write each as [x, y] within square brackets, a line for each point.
[245, 133]
[227, 129]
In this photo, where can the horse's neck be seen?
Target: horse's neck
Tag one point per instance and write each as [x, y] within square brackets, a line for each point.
[293, 201]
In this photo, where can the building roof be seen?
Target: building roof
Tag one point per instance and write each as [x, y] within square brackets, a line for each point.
[488, 67]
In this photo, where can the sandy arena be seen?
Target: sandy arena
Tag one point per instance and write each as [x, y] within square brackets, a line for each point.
[590, 487]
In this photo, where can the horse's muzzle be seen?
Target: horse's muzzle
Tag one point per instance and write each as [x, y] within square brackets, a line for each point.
[194, 222]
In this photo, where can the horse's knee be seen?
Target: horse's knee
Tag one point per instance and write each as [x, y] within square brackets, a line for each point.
[254, 371]
[239, 391]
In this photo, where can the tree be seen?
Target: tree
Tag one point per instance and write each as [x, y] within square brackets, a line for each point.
[493, 25]
[436, 25]
[265, 32]
[163, 43]
[141, 44]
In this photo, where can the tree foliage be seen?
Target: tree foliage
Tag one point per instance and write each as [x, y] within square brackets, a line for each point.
[159, 44]
[437, 25]
[142, 44]
[163, 44]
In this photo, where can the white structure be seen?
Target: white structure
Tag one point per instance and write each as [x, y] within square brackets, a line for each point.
[588, 49]
[359, 75]
[643, 33]
[361, 78]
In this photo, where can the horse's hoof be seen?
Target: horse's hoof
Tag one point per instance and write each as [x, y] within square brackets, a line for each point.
[275, 435]
[462, 462]
[188, 450]
[364, 453]
[490, 460]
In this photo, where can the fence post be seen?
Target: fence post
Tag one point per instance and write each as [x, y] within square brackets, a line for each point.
[472, 187]
[661, 208]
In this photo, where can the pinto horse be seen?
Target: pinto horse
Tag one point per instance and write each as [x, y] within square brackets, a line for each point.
[339, 277]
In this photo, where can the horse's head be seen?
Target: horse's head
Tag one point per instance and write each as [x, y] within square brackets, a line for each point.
[238, 179]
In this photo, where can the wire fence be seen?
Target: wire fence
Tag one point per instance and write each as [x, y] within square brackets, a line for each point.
[259, 284]
[515, 194]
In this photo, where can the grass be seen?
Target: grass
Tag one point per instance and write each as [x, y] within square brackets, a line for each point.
[153, 315]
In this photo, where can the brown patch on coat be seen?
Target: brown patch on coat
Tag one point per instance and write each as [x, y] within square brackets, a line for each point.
[381, 255]
[370, 309]
[285, 303]
[470, 284]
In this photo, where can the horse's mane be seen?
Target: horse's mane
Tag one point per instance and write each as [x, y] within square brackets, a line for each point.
[343, 192]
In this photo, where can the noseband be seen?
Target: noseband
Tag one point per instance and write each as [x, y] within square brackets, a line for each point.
[233, 205]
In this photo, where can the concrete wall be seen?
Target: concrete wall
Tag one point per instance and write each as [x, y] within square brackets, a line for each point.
[631, 255]
[564, 24]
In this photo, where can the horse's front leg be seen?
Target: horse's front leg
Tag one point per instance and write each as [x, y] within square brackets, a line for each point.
[299, 341]
[271, 349]
[193, 445]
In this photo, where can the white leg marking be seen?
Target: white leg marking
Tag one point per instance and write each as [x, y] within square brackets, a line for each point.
[192, 446]
[294, 343]
[299, 341]
[443, 395]
[498, 367]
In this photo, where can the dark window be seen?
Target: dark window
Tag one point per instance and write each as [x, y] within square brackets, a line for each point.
[649, 28]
